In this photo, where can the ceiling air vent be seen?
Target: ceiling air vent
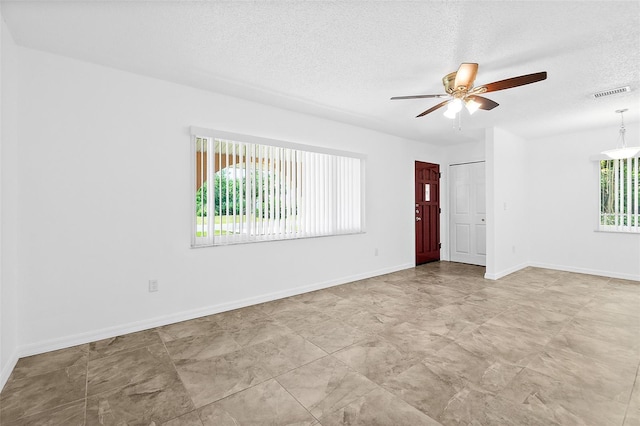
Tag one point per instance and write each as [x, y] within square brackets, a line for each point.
[610, 92]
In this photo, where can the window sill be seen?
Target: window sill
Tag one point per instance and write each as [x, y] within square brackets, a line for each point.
[269, 240]
[612, 231]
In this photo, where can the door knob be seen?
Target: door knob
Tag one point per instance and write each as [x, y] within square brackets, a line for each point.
[418, 219]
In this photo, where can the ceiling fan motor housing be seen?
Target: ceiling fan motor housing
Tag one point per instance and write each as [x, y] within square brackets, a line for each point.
[449, 82]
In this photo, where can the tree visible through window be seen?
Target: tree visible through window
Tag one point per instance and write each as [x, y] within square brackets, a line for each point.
[620, 195]
[248, 192]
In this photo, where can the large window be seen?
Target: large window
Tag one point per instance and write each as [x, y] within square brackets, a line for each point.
[252, 189]
[619, 195]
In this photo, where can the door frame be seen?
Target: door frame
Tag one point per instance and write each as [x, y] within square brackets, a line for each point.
[451, 201]
[427, 214]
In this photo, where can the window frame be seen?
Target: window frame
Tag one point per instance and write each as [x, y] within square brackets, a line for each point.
[629, 181]
[196, 132]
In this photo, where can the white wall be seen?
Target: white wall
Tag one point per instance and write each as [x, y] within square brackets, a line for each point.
[105, 203]
[563, 206]
[507, 223]
[466, 152]
[8, 206]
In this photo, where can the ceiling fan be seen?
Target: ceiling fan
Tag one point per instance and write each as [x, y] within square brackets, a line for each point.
[460, 90]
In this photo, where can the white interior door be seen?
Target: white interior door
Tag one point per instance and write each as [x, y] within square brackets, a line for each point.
[468, 231]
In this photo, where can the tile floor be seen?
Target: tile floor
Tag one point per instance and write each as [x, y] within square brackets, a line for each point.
[426, 346]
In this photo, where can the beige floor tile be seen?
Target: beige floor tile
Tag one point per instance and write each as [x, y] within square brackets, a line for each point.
[532, 320]
[610, 381]
[35, 394]
[193, 328]
[435, 343]
[202, 347]
[504, 344]
[455, 362]
[499, 411]
[189, 419]
[300, 318]
[320, 299]
[333, 335]
[325, 385]
[285, 353]
[150, 401]
[561, 401]
[632, 417]
[378, 407]
[414, 341]
[126, 368]
[240, 318]
[123, 343]
[258, 331]
[628, 337]
[51, 361]
[443, 325]
[424, 388]
[372, 322]
[214, 378]
[66, 415]
[615, 355]
[377, 359]
[265, 404]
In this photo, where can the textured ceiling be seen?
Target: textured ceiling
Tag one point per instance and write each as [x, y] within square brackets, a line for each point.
[344, 60]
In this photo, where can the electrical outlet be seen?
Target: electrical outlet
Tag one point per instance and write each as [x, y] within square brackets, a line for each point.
[153, 286]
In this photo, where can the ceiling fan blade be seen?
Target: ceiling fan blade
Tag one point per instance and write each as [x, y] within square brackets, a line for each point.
[485, 104]
[433, 108]
[418, 97]
[465, 76]
[513, 82]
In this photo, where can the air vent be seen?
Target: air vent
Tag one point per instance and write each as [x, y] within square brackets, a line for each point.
[610, 92]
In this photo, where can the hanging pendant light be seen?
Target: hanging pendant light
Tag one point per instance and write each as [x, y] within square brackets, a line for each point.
[623, 151]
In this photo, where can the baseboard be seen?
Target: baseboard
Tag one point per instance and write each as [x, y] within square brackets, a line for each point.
[105, 333]
[587, 271]
[7, 369]
[505, 272]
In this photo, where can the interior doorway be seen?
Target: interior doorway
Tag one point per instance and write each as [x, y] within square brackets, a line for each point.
[468, 213]
[427, 212]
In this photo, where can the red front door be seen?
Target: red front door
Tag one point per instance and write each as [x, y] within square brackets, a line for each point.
[427, 212]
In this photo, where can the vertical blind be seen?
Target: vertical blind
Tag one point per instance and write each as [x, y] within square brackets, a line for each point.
[620, 195]
[247, 191]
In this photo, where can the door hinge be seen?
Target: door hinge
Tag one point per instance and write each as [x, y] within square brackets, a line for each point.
[439, 210]
[439, 245]
[439, 174]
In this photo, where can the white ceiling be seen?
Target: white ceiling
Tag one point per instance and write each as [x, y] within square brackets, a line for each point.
[344, 60]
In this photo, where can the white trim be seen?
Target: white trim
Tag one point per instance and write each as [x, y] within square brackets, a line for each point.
[598, 272]
[504, 273]
[8, 369]
[92, 336]
[239, 137]
[564, 268]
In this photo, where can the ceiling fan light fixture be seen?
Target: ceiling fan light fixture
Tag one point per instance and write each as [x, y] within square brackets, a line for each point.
[622, 151]
[450, 114]
[472, 105]
[455, 106]
[459, 86]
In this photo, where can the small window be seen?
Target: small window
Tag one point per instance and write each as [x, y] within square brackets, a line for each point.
[249, 189]
[619, 195]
